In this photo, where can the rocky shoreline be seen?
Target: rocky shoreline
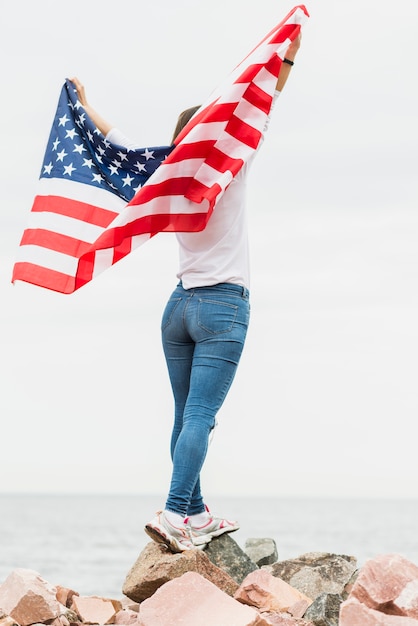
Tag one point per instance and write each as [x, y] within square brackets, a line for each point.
[225, 585]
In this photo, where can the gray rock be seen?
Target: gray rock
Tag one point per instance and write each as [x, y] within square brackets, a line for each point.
[316, 573]
[325, 610]
[226, 554]
[261, 551]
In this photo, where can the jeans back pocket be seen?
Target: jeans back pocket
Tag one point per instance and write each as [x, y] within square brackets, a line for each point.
[215, 316]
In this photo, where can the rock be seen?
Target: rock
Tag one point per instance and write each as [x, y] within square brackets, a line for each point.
[65, 595]
[407, 601]
[353, 613]
[127, 603]
[191, 600]
[349, 586]
[388, 583]
[156, 565]
[5, 620]
[126, 617]
[68, 615]
[316, 573]
[62, 620]
[226, 554]
[282, 619]
[27, 598]
[95, 610]
[261, 551]
[325, 610]
[267, 593]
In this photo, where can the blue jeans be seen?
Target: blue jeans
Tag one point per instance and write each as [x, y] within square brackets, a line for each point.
[203, 334]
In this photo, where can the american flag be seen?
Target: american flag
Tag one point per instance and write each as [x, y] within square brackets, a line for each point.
[97, 202]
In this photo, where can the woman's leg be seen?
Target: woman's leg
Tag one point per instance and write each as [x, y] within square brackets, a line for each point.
[168, 527]
[203, 337]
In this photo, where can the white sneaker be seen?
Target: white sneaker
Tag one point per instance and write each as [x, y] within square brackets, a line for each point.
[162, 531]
[214, 527]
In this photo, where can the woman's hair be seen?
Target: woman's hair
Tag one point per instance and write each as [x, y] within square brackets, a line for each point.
[183, 118]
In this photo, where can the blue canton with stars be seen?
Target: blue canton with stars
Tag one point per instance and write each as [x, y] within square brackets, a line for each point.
[78, 151]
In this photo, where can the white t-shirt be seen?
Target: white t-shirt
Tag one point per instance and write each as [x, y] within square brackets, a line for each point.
[219, 253]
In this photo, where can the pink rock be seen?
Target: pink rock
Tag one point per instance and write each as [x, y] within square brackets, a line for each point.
[28, 598]
[126, 617]
[191, 600]
[282, 619]
[65, 595]
[157, 565]
[59, 621]
[382, 579]
[268, 593]
[353, 613]
[127, 603]
[5, 620]
[407, 601]
[94, 610]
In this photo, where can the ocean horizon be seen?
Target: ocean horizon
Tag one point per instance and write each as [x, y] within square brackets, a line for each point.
[89, 542]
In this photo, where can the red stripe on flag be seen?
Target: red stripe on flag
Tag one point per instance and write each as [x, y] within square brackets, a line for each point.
[75, 209]
[196, 150]
[280, 25]
[288, 31]
[222, 162]
[54, 241]
[219, 112]
[249, 73]
[153, 224]
[211, 113]
[122, 250]
[43, 277]
[198, 192]
[170, 187]
[85, 270]
[252, 71]
[244, 132]
[258, 98]
[273, 65]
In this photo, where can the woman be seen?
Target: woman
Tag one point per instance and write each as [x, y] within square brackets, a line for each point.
[204, 327]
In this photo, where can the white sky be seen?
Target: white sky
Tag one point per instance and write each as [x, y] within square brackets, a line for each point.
[325, 400]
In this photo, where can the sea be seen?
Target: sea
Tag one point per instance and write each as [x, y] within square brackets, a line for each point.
[89, 542]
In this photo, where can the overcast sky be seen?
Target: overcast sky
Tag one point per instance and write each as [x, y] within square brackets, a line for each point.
[325, 401]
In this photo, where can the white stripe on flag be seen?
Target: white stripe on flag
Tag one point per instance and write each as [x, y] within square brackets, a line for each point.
[63, 225]
[103, 259]
[80, 192]
[234, 93]
[247, 112]
[264, 79]
[232, 147]
[177, 169]
[204, 131]
[208, 176]
[49, 259]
